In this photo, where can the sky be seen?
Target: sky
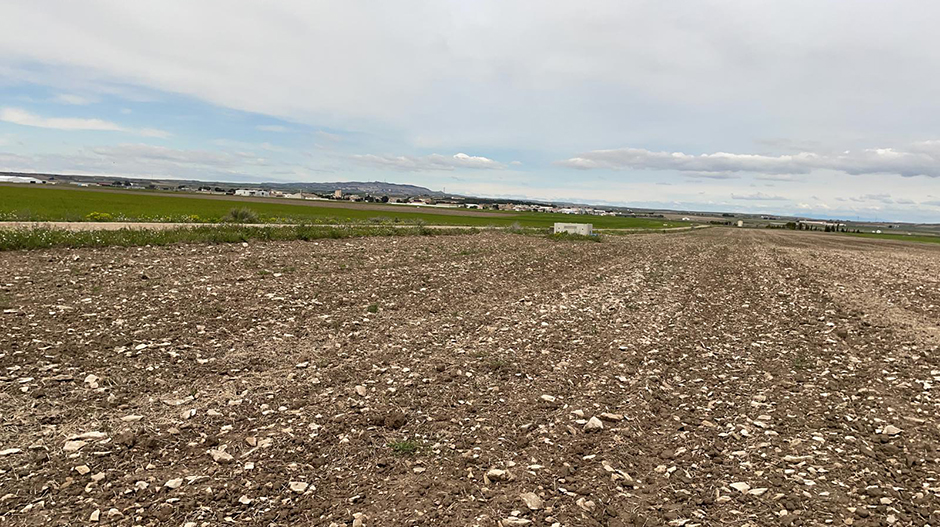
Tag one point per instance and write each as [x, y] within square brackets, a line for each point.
[815, 108]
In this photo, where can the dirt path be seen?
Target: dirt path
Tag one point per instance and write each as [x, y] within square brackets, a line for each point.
[741, 378]
[118, 225]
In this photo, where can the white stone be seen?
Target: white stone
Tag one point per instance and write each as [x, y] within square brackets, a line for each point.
[741, 487]
[594, 425]
[221, 456]
[298, 486]
[495, 474]
[73, 446]
[532, 500]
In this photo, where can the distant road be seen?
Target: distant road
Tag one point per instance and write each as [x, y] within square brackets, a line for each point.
[118, 225]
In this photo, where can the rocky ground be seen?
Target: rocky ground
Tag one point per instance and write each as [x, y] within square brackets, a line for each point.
[719, 377]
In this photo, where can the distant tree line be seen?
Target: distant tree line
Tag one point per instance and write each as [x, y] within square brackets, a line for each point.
[797, 226]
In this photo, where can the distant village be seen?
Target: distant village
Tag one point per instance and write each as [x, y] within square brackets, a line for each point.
[419, 196]
[426, 201]
[335, 195]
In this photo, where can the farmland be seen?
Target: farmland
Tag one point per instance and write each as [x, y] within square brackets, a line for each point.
[714, 377]
[65, 204]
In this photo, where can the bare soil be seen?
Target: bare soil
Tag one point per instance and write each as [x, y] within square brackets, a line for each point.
[739, 378]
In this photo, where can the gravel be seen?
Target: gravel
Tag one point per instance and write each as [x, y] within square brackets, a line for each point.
[731, 377]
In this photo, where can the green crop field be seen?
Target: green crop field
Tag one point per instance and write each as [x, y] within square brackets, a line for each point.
[32, 203]
[897, 237]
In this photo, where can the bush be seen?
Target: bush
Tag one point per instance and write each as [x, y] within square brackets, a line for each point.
[241, 215]
[99, 216]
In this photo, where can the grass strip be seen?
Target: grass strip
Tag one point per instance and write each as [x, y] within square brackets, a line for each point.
[45, 238]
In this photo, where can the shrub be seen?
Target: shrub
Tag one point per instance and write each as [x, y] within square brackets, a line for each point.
[241, 215]
[99, 216]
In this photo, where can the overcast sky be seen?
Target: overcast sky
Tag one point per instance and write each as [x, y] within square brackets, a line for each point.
[816, 108]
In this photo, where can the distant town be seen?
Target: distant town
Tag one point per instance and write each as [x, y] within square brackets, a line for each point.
[391, 194]
[413, 195]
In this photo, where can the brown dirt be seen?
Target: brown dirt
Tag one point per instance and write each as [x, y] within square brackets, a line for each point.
[778, 360]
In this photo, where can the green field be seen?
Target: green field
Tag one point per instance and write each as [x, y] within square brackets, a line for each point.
[897, 237]
[32, 203]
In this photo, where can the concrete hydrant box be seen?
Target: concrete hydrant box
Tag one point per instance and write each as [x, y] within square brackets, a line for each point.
[584, 229]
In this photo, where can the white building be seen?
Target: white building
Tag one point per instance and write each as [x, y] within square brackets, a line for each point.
[252, 192]
[21, 179]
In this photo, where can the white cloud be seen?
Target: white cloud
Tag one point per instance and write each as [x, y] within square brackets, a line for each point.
[329, 137]
[149, 161]
[272, 128]
[919, 159]
[153, 132]
[71, 98]
[151, 153]
[24, 118]
[757, 196]
[754, 76]
[429, 162]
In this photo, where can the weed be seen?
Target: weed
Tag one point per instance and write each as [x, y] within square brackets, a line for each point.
[241, 215]
[564, 236]
[800, 363]
[99, 216]
[373, 308]
[406, 447]
[43, 238]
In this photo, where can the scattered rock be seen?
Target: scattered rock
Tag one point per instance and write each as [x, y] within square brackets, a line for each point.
[496, 475]
[220, 456]
[891, 430]
[741, 487]
[73, 446]
[594, 425]
[531, 500]
[299, 486]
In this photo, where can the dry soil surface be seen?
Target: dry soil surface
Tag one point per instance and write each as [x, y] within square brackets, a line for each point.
[717, 377]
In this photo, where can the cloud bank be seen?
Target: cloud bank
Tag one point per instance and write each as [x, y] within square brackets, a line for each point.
[429, 162]
[917, 159]
[24, 118]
